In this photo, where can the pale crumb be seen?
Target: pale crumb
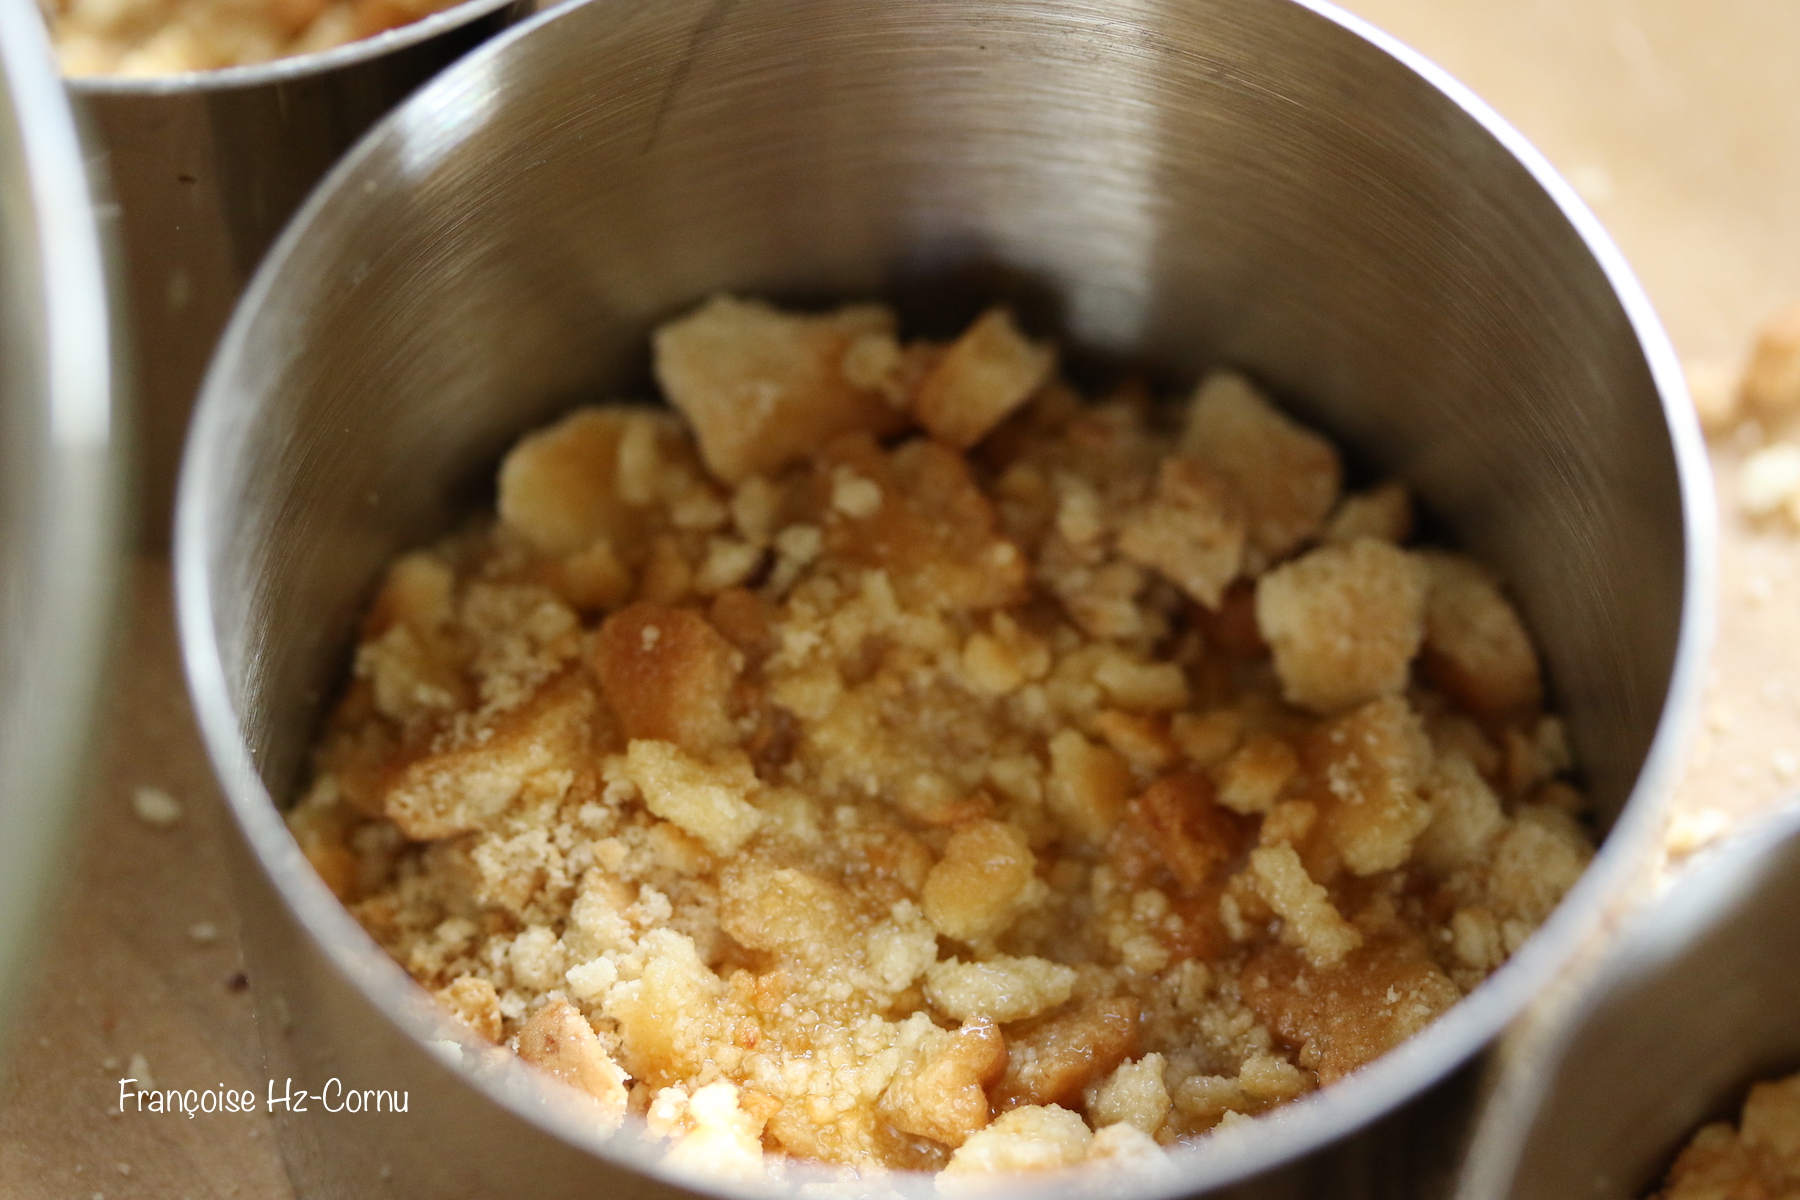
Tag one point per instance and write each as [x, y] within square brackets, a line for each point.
[448, 1051]
[155, 807]
[763, 388]
[818, 792]
[1285, 476]
[123, 1168]
[565, 487]
[1134, 1094]
[706, 801]
[1143, 740]
[537, 958]
[796, 546]
[1374, 761]
[1125, 1147]
[1089, 785]
[1465, 815]
[754, 508]
[1721, 718]
[854, 496]
[974, 891]
[984, 375]
[1594, 182]
[1713, 384]
[1344, 622]
[1309, 921]
[728, 563]
[998, 661]
[1000, 989]
[1475, 938]
[940, 1091]
[699, 510]
[1031, 1138]
[1192, 530]
[1693, 830]
[875, 363]
[1769, 482]
[588, 980]
[1217, 1103]
[1383, 512]
[561, 1042]
[1476, 648]
[1269, 1077]
[1078, 515]
[714, 1133]
[1758, 1158]
[475, 1002]
[138, 1068]
[1771, 387]
[1231, 1122]
[1251, 780]
[1207, 737]
[203, 933]
[1142, 687]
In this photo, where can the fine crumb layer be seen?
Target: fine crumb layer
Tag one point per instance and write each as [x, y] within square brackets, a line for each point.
[894, 758]
[1759, 1159]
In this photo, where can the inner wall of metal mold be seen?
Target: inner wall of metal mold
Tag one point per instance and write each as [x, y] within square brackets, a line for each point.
[1158, 181]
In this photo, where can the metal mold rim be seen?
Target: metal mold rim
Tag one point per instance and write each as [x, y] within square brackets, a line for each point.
[71, 547]
[1701, 899]
[1286, 1135]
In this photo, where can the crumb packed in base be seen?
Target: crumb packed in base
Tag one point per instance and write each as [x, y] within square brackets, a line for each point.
[892, 757]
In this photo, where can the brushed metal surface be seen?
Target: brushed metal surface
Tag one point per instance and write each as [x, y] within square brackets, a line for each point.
[60, 478]
[207, 166]
[1175, 182]
[1698, 999]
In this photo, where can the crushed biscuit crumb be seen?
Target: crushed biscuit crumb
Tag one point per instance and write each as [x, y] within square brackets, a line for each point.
[809, 787]
[156, 808]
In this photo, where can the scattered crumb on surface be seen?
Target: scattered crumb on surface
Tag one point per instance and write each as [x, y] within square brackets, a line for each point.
[1713, 386]
[1770, 482]
[1694, 829]
[1743, 759]
[1757, 410]
[155, 807]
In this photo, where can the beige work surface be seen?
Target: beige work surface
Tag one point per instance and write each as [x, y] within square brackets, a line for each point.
[1678, 120]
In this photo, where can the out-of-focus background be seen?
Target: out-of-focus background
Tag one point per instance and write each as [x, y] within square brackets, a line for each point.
[1677, 120]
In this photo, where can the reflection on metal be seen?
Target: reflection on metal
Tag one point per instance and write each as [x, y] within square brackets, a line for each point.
[1296, 195]
[60, 478]
[207, 167]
